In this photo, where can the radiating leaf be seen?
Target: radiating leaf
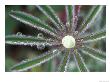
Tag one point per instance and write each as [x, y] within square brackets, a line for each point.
[50, 13]
[94, 53]
[69, 14]
[30, 63]
[64, 62]
[95, 36]
[80, 62]
[90, 18]
[26, 40]
[32, 21]
[72, 13]
[76, 15]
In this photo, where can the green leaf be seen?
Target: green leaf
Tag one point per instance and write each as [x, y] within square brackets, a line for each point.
[80, 62]
[50, 13]
[95, 36]
[25, 40]
[90, 18]
[94, 53]
[30, 63]
[64, 62]
[69, 15]
[32, 21]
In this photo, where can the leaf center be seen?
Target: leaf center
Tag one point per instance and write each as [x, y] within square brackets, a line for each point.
[68, 41]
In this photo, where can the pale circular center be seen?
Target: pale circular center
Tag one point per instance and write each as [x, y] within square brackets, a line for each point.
[68, 41]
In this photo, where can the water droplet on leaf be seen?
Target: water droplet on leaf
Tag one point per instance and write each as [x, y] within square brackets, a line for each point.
[40, 35]
[67, 24]
[24, 61]
[19, 34]
[40, 46]
[54, 51]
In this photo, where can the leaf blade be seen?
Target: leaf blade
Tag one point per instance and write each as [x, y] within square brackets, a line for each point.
[50, 13]
[28, 64]
[32, 21]
[25, 40]
[80, 62]
[95, 36]
[94, 53]
[91, 17]
[69, 14]
[64, 62]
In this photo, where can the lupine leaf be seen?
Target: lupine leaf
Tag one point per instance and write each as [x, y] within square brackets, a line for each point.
[50, 13]
[80, 62]
[69, 15]
[64, 62]
[30, 63]
[26, 40]
[94, 53]
[91, 17]
[32, 21]
[95, 36]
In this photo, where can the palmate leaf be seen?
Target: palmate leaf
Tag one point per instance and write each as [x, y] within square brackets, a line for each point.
[64, 63]
[32, 21]
[36, 61]
[50, 13]
[94, 53]
[26, 40]
[80, 62]
[72, 18]
[90, 18]
[95, 36]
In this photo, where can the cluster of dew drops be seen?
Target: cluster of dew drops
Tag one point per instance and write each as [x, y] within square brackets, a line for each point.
[39, 36]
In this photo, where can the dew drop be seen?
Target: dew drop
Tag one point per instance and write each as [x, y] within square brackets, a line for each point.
[76, 17]
[67, 24]
[81, 40]
[24, 61]
[76, 32]
[49, 40]
[40, 46]
[19, 34]
[54, 51]
[40, 35]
